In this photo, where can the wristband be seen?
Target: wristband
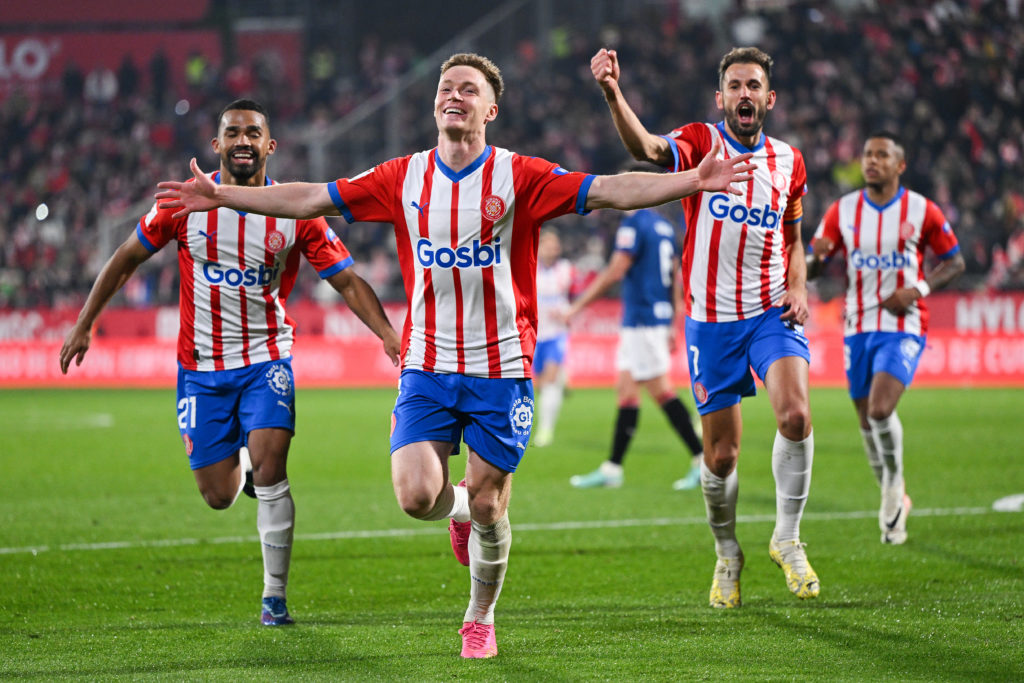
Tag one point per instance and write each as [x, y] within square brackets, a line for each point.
[922, 288]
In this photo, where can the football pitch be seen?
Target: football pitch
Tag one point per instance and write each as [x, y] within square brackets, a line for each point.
[114, 568]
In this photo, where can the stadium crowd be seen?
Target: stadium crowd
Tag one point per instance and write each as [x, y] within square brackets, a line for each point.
[947, 76]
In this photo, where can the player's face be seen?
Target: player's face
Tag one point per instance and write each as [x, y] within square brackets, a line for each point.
[464, 101]
[745, 98]
[243, 143]
[882, 162]
[549, 249]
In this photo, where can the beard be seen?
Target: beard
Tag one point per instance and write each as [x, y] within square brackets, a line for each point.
[746, 129]
[243, 172]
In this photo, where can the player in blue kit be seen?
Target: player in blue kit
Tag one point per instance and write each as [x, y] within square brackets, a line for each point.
[645, 261]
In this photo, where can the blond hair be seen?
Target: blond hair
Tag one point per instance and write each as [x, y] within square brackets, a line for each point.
[485, 66]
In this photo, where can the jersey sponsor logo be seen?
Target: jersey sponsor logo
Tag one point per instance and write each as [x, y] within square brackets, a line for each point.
[879, 261]
[521, 416]
[278, 380]
[216, 274]
[274, 241]
[907, 230]
[493, 207]
[756, 217]
[476, 256]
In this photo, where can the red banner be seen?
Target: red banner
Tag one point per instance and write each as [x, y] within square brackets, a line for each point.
[973, 341]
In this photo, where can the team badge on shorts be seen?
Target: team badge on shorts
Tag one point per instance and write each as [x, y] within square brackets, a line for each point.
[910, 348]
[521, 416]
[278, 380]
[188, 444]
[700, 393]
[493, 207]
[274, 241]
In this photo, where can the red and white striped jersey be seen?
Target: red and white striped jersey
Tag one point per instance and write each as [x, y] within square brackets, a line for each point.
[734, 258]
[553, 285]
[467, 247]
[884, 248]
[236, 270]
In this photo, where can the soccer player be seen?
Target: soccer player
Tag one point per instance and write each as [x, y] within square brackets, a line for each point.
[745, 295]
[236, 395]
[883, 231]
[467, 218]
[644, 260]
[554, 280]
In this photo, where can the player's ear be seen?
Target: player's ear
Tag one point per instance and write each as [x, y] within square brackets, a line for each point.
[492, 113]
[271, 146]
[215, 144]
[771, 99]
[718, 99]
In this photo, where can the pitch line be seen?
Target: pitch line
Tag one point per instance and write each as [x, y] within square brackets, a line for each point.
[431, 530]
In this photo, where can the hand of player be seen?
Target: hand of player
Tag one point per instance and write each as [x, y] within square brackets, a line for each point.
[605, 67]
[899, 302]
[392, 347]
[75, 345]
[191, 196]
[718, 175]
[794, 306]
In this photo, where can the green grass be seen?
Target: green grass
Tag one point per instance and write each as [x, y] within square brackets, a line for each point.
[132, 576]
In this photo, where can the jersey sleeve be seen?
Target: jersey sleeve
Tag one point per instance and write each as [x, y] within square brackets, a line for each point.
[829, 229]
[688, 145]
[368, 196]
[797, 189]
[322, 247]
[548, 189]
[937, 233]
[157, 228]
[627, 237]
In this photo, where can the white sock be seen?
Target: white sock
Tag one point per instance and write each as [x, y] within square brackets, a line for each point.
[460, 507]
[720, 502]
[871, 448]
[550, 404]
[453, 502]
[275, 521]
[888, 433]
[791, 465]
[244, 465]
[488, 559]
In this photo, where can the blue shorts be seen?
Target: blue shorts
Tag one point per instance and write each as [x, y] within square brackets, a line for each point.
[867, 353]
[217, 410]
[549, 351]
[720, 356]
[493, 416]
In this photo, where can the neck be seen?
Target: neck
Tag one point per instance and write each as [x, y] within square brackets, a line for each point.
[882, 194]
[459, 152]
[258, 180]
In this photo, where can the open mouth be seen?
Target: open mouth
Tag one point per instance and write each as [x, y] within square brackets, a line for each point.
[453, 111]
[243, 156]
[745, 113]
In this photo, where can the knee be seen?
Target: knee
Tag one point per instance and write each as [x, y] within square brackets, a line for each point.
[721, 458]
[795, 423]
[218, 500]
[415, 502]
[878, 412]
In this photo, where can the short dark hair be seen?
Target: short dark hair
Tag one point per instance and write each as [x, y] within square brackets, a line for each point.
[245, 105]
[485, 66]
[897, 141]
[746, 55]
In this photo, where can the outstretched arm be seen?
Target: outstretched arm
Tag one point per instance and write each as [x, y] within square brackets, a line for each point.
[363, 301]
[284, 200]
[642, 190]
[115, 273]
[642, 144]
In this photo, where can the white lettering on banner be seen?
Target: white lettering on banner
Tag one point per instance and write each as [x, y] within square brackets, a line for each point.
[344, 323]
[1004, 356]
[982, 314]
[168, 319]
[964, 356]
[27, 60]
[20, 325]
[933, 360]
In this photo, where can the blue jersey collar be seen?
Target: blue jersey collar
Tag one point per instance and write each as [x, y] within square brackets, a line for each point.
[457, 176]
[880, 209]
[732, 141]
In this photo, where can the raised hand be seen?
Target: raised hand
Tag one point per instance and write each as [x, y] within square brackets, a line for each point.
[719, 175]
[605, 67]
[193, 196]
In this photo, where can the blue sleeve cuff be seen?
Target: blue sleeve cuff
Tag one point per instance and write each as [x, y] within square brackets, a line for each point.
[675, 154]
[336, 268]
[142, 238]
[949, 254]
[581, 196]
[339, 203]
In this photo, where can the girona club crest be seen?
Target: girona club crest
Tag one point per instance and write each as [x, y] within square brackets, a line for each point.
[493, 207]
[779, 181]
[906, 230]
[274, 241]
[700, 393]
